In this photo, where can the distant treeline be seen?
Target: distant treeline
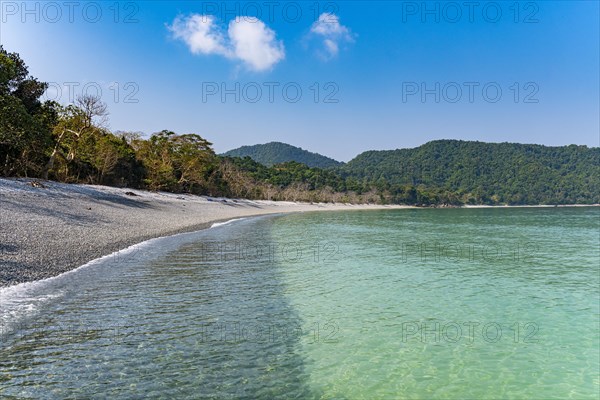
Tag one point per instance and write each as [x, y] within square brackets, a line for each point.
[72, 144]
[273, 153]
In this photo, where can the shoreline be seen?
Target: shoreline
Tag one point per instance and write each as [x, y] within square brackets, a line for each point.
[530, 206]
[46, 231]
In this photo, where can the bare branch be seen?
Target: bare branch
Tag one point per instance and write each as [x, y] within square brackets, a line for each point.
[93, 107]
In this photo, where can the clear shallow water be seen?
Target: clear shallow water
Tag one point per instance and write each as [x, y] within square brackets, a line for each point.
[460, 304]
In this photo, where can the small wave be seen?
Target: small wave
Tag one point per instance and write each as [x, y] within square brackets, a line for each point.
[24, 299]
[216, 224]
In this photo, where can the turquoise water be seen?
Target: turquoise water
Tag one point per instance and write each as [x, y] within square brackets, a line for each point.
[419, 304]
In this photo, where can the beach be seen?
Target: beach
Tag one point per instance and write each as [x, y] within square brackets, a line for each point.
[48, 229]
[292, 307]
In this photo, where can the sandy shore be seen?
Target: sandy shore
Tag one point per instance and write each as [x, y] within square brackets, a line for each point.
[45, 231]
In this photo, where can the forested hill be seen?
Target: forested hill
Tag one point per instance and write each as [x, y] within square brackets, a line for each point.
[276, 152]
[492, 172]
[72, 143]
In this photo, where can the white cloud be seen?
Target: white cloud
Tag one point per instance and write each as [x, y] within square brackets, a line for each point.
[200, 33]
[255, 44]
[332, 47]
[248, 40]
[328, 28]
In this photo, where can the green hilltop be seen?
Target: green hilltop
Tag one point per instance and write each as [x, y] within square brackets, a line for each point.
[487, 172]
[273, 153]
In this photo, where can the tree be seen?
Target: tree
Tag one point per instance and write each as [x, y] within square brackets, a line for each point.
[25, 122]
[193, 160]
[86, 117]
[182, 163]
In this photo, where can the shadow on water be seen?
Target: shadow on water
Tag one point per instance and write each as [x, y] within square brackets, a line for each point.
[205, 319]
[228, 293]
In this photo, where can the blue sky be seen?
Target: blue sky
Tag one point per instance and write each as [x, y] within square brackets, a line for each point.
[372, 75]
